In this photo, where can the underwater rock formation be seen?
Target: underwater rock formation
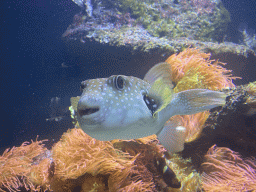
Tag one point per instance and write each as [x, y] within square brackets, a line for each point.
[148, 25]
[232, 126]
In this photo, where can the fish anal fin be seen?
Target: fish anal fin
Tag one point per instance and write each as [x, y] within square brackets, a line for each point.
[172, 137]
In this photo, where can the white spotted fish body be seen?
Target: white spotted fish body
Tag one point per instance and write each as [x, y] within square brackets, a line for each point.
[114, 107]
[126, 107]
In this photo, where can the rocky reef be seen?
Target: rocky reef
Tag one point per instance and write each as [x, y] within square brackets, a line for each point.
[232, 126]
[168, 26]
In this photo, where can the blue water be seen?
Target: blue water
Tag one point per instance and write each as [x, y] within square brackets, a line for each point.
[31, 73]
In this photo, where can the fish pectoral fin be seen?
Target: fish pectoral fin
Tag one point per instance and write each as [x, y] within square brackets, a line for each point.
[172, 137]
[73, 107]
[74, 102]
[196, 100]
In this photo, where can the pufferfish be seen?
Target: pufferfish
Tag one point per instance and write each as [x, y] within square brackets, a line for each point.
[126, 107]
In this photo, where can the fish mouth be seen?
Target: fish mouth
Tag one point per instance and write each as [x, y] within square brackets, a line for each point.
[88, 111]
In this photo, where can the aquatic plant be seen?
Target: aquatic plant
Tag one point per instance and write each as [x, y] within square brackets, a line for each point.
[226, 170]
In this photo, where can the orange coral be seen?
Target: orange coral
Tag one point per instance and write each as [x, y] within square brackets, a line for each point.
[194, 63]
[193, 69]
[77, 154]
[78, 160]
[16, 165]
[225, 170]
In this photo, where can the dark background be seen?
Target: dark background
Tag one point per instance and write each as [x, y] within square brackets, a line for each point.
[32, 52]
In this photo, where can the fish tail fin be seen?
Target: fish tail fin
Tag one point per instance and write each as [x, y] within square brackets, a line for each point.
[196, 100]
[172, 137]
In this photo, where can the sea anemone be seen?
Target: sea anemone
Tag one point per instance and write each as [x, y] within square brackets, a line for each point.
[226, 170]
[79, 162]
[77, 154]
[16, 166]
[193, 69]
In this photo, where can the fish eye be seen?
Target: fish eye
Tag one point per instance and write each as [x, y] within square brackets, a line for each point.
[119, 82]
[83, 86]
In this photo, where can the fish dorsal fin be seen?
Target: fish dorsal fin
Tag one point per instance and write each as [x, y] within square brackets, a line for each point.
[161, 83]
[160, 70]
